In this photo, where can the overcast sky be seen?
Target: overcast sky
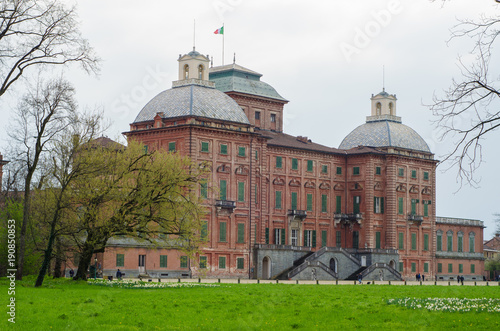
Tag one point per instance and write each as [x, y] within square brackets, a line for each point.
[325, 56]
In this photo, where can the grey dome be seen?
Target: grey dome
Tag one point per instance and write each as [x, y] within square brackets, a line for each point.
[193, 100]
[385, 134]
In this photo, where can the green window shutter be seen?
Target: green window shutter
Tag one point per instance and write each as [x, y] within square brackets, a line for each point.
[374, 204]
[267, 236]
[294, 200]
[163, 261]
[241, 192]
[145, 149]
[413, 267]
[400, 206]
[426, 242]
[305, 238]
[223, 189]
[240, 263]
[184, 261]
[378, 170]
[413, 206]
[314, 238]
[338, 206]
[171, 146]
[426, 175]
[382, 205]
[323, 238]
[309, 202]
[339, 171]
[460, 268]
[203, 262]
[203, 189]
[324, 203]
[426, 267]
[471, 244]
[222, 231]
[204, 146]
[241, 151]
[338, 238]
[283, 236]
[401, 266]
[120, 260]
[355, 239]
[377, 240]
[355, 171]
[204, 230]
[426, 210]
[223, 149]
[450, 267]
[222, 262]
[309, 165]
[356, 203]
[324, 169]
[277, 203]
[401, 172]
[241, 233]
[295, 164]
[450, 243]
[401, 244]
[439, 243]
[279, 162]
[414, 174]
[256, 155]
[413, 241]
[472, 268]
[440, 267]
[459, 244]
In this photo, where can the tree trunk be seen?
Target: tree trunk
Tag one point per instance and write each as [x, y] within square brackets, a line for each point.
[24, 225]
[85, 260]
[47, 257]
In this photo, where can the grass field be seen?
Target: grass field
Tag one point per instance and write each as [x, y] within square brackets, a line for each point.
[68, 305]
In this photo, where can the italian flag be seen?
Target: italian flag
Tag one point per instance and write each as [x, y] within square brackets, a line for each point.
[219, 31]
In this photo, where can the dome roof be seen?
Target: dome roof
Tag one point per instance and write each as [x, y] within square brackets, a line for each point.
[193, 100]
[385, 134]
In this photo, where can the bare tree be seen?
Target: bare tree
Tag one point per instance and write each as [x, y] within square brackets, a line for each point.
[43, 114]
[470, 108]
[37, 33]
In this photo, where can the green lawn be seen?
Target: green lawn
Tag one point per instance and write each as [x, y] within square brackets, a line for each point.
[67, 305]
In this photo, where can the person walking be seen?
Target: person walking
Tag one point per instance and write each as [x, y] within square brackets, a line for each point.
[119, 275]
[360, 277]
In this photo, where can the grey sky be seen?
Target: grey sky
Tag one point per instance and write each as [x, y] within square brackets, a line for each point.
[313, 53]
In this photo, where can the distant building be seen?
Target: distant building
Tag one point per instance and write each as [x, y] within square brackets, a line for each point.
[492, 252]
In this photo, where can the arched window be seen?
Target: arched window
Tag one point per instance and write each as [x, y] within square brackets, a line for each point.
[379, 108]
[186, 71]
[460, 241]
[200, 71]
[439, 240]
[391, 108]
[449, 241]
[472, 242]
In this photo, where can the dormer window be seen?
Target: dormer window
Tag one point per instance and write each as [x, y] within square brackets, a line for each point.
[379, 108]
[200, 71]
[186, 71]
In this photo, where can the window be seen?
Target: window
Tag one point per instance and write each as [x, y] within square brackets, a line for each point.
[401, 266]
[145, 149]
[256, 155]
[324, 203]
[279, 162]
[309, 197]
[163, 261]
[120, 260]
[204, 230]
[267, 236]
[241, 192]
[401, 240]
[440, 267]
[378, 170]
[449, 241]
[414, 174]
[324, 169]
[186, 71]
[414, 206]
[400, 206]
[450, 268]
[378, 205]
[222, 232]
[241, 151]
[309, 165]
[241, 233]
[338, 205]
[277, 200]
[426, 266]
[279, 236]
[426, 207]
[171, 146]
[401, 172]
[426, 175]
[223, 149]
[203, 189]
[204, 146]
[273, 118]
[439, 241]
[223, 189]
[377, 239]
[339, 171]
[338, 238]
[294, 237]
[471, 242]
[240, 263]
[356, 204]
[294, 200]
[472, 268]
[413, 267]
[295, 164]
[184, 261]
[460, 240]
[203, 262]
[355, 239]
[426, 242]
[222, 262]
[355, 171]
[414, 241]
[257, 115]
[200, 71]
[460, 268]
[310, 238]
[323, 238]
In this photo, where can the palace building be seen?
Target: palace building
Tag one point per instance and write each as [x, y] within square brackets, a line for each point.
[286, 207]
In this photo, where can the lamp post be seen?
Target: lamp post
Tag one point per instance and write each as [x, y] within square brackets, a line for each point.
[95, 267]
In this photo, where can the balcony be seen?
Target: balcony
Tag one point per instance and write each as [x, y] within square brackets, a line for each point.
[347, 219]
[460, 255]
[225, 205]
[415, 218]
[296, 212]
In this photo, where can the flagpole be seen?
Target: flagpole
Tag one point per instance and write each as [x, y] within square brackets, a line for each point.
[223, 33]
